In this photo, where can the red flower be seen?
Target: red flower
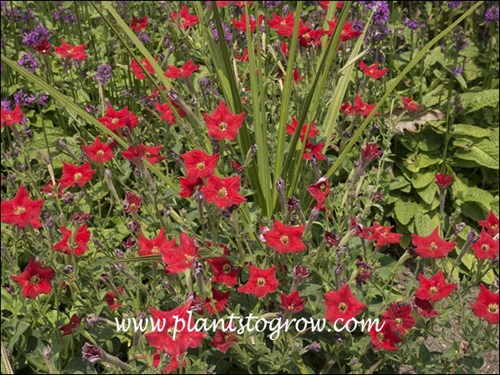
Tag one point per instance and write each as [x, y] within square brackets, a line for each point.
[98, 151]
[167, 113]
[156, 245]
[199, 164]
[72, 52]
[261, 282]
[48, 189]
[35, 279]
[241, 24]
[435, 288]
[186, 20]
[163, 340]
[223, 192]
[121, 118]
[312, 38]
[9, 118]
[342, 304]
[315, 150]
[398, 317]
[217, 303]
[137, 70]
[284, 25]
[290, 129]
[362, 108]
[424, 308]
[82, 237]
[285, 239]
[369, 153]
[486, 305]
[386, 339]
[43, 47]
[223, 123]
[184, 72]
[243, 57]
[75, 175]
[486, 247]
[319, 190]
[135, 154]
[382, 235]
[347, 108]
[188, 185]
[181, 257]
[69, 328]
[490, 224]
[223, 340]
[224, 271]
[372, 71]
[409, 104]
[22, 211]
[110, 299]
[432, 246]
[443, 180]
[132, 202]
[292, 303]
[139, 24]
[325, 4]
[348, 33]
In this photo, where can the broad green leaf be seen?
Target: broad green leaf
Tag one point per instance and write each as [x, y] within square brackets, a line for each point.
[470, 131]
[474, 101]
[405, 211]
[483, 153]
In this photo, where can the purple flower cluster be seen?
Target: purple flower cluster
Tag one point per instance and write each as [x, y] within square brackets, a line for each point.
[271, 4]
[35, 36]
[103, 74]
[457, 70]
[28, 60]
[491, 15]
[63, 14]
[381, 15]
[459, 39]
[15, 15]
[227, 32]
[143, 37]
[454, 4]
[412, 23]
[27, 100]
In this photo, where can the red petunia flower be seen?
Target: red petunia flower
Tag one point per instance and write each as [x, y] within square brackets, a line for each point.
[284, 25]
[163, 340]
[135, 154]
[199, 164]
[435, 288]
[409, 104]
[72, 52]
[223, 192]
[241, 24]
[182, 256]
[382, 235]
[348, 33]
[398, 317]
[312, 38]
[342, 304]
[155, 245]
[139, 24]
[9, 118]
[75, 175]
[347, 108]
[424, 308]
[386, 339]
[69, 328]
[325, 4]
[186, 20]
[188, 185]
[313, 149]
[35, 279]
[167, 113]
[432, 246]
[490, 224]
[224, 271]
[137, 70]
[486, 247]
[290, 129]
[369, 153]
[285, 239]
[261, 282]
[183, 72]
[132, 202]
[121, 118]
[217, 303]
[81, 239]
[22, 211]
[43, 47]
[372, 71]
[223, 340]
[362, 108]
[443, 180]
[486, 305]
[98, 151]
[243, 57]
[222, 123]
[292, 303]
[111, 300]
[319, 190]
[48, 189]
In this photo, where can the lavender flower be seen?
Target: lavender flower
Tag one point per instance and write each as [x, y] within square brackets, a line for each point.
[62, 13]
[143, 37]
[459, 39]
[412, 23]
[38, 34]
[103, 74]
[454, 4]
[491, 15]
[381, 15]
[227, 32]
[458, 70]
[271, 4]
[28, 60]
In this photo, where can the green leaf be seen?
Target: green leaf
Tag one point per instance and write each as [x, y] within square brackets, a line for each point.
[474, 101]
[429, 193]
[405, 211]
[421, 180]
[469, 131]
[424, 224]
[483, 153]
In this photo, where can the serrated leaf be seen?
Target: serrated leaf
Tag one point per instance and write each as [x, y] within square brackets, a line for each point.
[405, 211]
[424, 224]
[483, 153]
[469, 131]
[421, 180]
[474, 101]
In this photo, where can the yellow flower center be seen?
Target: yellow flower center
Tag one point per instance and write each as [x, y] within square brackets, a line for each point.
[380, 336]
[342, 306]
[100, 152]
[35, 279]
[222, 192]
[433, 290]
[78, 176]
[226, 268]
[8, 116]
[223, 126]
[493, 308]
[188, 258]
[398, 321]
[433, 246]
[261, 281]
[19, 210]
[284, 239]
[322, 188]
[485, 247]
[155, 249]
[200, 166]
